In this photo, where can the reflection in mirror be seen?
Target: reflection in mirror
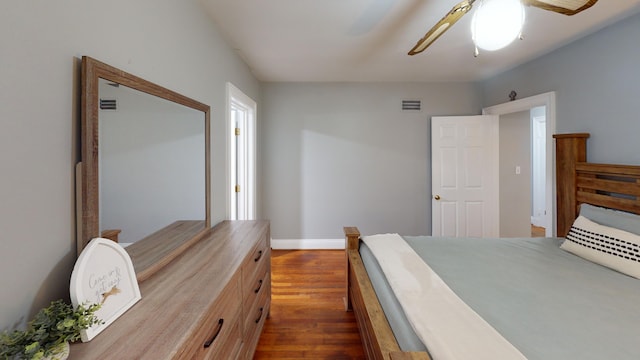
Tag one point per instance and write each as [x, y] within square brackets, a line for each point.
[151, 162]
[145, 175]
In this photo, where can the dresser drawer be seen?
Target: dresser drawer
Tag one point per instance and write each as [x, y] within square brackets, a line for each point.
[255, 265]
[254, 322]
[219, 336]
[231, 348]
[254, 287]
[258, 310]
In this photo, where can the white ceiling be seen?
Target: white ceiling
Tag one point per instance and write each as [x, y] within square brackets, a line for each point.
[368, 40]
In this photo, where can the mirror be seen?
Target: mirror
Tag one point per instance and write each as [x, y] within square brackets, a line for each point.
[145, 170]
[151, 155]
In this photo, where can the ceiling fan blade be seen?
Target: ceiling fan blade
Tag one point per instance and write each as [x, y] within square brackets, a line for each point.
[566, 7]
[441, 26]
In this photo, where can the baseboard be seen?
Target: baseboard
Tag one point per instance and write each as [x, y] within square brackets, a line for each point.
[307, 244]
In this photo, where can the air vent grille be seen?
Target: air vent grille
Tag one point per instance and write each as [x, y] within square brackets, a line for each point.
[411, 105]
[108, 104]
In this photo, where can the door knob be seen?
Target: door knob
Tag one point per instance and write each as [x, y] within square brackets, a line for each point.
[437, 197]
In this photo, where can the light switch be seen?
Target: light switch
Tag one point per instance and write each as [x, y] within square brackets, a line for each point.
[518, 170]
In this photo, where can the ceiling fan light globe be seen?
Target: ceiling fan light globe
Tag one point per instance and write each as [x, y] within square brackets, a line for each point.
[496, 23]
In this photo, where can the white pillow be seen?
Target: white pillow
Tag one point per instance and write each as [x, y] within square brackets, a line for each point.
[604, 245]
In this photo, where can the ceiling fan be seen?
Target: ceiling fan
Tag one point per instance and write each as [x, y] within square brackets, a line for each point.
[566, 7]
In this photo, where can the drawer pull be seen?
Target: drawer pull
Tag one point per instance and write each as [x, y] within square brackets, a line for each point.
[259, 286]
[259, 256]
[260, 317]
[215, 335]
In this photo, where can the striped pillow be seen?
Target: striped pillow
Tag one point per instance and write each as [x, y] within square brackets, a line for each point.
[604, 245]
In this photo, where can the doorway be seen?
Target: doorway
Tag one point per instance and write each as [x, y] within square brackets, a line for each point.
[241, 159]
[522, 173]
[546, 100]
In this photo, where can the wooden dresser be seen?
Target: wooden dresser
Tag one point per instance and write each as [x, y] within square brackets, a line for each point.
[208, 303]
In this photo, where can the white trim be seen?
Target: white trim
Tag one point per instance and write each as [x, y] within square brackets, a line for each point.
[228, 150]
[307, 244]
[235, 95]
[549, 101]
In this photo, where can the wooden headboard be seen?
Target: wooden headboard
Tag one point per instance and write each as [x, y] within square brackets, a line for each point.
[578, 181]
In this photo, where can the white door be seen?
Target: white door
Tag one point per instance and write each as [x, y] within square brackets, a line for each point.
[539, 212]
[464, 176]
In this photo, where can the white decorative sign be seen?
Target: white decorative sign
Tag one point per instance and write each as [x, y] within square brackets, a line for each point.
[104, 274]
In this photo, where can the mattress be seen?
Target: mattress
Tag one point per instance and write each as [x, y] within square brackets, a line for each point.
[548, 303]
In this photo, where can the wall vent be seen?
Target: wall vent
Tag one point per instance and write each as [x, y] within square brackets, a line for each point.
[108, 104]
[411, 105]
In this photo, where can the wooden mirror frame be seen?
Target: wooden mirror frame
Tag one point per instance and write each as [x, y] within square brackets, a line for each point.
[88, 171]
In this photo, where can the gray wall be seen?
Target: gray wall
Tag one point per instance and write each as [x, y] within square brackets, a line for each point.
[172, 43]
[597, 82]
[515, 189]
[338, 154]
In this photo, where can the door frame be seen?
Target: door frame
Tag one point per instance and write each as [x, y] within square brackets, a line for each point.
[549, 101]
[235, 96]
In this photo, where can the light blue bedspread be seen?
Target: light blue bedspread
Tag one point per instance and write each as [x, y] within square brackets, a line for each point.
[548, 303]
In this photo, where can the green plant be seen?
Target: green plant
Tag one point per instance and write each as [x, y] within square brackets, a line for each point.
[52, 326]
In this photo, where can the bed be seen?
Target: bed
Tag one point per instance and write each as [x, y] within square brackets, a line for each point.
[614, 187]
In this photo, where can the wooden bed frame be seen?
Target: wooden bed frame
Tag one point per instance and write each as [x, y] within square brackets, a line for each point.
[577, 181]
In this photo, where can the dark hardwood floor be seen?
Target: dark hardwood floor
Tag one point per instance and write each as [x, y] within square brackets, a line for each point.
[537, 231]
[307, 319]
